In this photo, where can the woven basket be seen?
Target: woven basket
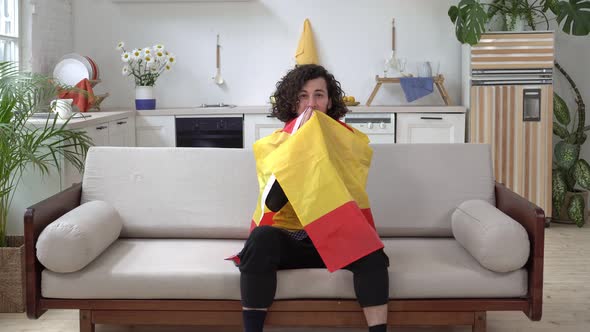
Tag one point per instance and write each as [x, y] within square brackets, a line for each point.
[12, 267]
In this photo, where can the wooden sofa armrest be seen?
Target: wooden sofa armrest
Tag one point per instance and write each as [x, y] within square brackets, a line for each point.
[532, 218]
[37, 217]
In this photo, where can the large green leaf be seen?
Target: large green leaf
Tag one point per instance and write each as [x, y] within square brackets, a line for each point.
[453, 13]
[560, 131]
[566, 154]
[550, 5]
[560, 110]
[469, 18]
[574, 17]
[570, 179]
[582, 173]
[558, 190]
[575, 210]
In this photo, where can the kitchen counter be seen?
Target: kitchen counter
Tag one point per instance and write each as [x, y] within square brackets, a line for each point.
[265, 109]
[91, 118]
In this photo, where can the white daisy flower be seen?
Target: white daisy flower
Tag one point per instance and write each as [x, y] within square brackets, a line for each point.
[148, 59]
[120, 45]
[125, 71]
[171, 59]
[126, 56]
[158, 47]
[168, 67]
[160, 55]
[136, 54]
[146, 51]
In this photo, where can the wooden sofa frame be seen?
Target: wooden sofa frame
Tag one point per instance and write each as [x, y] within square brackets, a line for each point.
[344, 313]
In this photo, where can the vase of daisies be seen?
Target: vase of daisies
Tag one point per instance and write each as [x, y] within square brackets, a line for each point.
[145, 65]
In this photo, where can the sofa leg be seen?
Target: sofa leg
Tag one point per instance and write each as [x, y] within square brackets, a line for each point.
[86, 321]
[479, 322]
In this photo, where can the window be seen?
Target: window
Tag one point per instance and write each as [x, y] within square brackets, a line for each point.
[9, 30]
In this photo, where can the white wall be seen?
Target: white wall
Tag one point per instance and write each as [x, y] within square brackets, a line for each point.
[50, 33]
[258, 41]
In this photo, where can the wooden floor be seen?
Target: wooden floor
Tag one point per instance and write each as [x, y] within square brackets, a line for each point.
[566, 305]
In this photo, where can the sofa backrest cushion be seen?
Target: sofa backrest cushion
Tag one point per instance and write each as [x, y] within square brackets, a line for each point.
[414, 188]
[175, 192]
[211, 192]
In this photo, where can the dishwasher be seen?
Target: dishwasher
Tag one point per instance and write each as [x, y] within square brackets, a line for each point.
[210, 132]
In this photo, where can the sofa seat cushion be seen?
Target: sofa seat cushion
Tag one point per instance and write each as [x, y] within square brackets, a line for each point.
[195, 269]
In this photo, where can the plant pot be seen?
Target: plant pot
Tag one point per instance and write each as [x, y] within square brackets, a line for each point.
[144, 98]
[562, 217]
[12, 275]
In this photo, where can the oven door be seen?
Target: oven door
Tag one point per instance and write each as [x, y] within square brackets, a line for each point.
[210, 132]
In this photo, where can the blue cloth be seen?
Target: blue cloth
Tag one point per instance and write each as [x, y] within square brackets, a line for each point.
[416, 87]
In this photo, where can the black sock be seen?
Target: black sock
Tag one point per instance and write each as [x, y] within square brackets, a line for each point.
[378, 328]
[253, 320]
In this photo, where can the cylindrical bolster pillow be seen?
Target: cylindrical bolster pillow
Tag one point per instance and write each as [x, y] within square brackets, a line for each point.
[75, 239]
[495, 240]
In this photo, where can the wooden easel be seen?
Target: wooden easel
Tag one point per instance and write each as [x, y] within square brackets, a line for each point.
[438, 81]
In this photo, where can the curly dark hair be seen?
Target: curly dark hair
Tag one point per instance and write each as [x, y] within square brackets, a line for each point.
[288, 88]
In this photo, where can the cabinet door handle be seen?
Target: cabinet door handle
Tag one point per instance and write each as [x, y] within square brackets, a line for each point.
[121, 122]
[430, 118]
[101, 127]
[270, 116]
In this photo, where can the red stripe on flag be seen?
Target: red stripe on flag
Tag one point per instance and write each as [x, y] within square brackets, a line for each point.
[266, 220]
[345, 125]
[343, 236]
[369, 216]
[289, 126]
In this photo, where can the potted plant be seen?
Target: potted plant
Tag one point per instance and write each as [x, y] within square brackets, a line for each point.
[146, 65]
[23, 145]
[569, 169]
[470, 17]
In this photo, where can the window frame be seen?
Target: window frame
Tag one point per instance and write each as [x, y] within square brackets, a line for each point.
[17, 40]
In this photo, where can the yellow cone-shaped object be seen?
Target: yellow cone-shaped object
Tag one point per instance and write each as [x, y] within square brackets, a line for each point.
[306, 52]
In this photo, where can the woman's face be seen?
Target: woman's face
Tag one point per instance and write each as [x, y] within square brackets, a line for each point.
[314, 95]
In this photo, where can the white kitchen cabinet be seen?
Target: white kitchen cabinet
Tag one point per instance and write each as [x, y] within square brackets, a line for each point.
[119, 132]
[122, 132]
[156, 131]
[257, 126]
[430, 128]
[98, 133]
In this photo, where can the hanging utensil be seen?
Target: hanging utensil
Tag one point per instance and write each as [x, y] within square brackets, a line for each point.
[218, 79]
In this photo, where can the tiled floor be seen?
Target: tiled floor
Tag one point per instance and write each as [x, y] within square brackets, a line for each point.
[566, 305]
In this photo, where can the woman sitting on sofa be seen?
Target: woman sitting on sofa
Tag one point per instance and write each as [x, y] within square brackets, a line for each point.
[283, 243]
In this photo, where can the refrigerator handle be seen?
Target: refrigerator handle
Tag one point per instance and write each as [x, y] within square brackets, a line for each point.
[531, 108]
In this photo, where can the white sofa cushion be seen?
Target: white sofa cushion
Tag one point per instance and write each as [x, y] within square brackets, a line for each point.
[211, 192]
[78, 237]
[414, 188]
[497, 241]
[195, 269]
[175, 192]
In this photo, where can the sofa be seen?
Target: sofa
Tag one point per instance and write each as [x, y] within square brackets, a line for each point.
[143, 240]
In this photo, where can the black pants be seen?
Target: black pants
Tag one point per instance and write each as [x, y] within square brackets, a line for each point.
[269, 249]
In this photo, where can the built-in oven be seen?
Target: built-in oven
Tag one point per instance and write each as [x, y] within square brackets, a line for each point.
[210, 131]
